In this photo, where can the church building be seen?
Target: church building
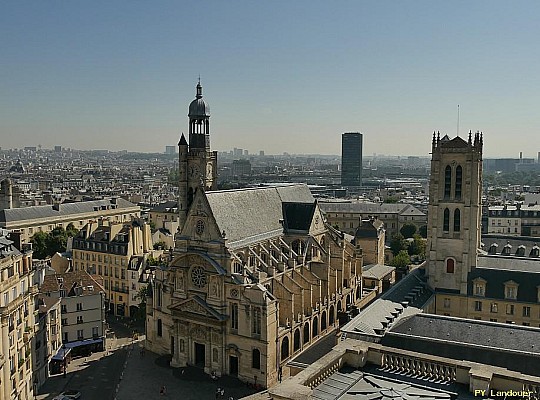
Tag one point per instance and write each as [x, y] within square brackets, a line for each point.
[256, 275]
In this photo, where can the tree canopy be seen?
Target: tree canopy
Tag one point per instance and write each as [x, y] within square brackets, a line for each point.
[397, 243]
[47, 244]
[401, 261]
[417, 247]
[408, 230]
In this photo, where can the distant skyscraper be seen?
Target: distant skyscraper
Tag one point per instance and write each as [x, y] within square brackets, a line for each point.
[170, 149]
[351, 159]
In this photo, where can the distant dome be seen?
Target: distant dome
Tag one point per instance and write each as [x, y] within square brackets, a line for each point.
[199, 107]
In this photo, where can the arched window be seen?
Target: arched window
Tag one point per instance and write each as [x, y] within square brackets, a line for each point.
[446, 220]
[190, 196]
[447, 181]
[159, 327]
[256, 359]
[306, 333]
[323, 321]
[457, 220]
[285, 348]
[459, 180]
[315, 329]
[296, 340]
[450, 265]
[331, 316]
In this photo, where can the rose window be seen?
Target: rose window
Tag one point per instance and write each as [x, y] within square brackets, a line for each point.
[198, 276]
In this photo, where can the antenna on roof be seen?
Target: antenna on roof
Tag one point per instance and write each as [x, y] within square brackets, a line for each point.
[458, 119]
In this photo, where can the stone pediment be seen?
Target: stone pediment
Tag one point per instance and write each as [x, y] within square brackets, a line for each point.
[198, 306]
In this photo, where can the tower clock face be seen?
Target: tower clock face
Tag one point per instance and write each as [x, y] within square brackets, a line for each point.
[194, 171]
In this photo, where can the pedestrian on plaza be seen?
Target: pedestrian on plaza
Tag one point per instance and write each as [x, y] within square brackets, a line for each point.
[163, 391]
[280, 374]
[218, 392]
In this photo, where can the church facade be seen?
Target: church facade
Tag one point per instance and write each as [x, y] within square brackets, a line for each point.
[256, 275]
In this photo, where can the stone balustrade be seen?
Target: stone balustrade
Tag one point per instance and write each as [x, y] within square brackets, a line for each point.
[419, 367]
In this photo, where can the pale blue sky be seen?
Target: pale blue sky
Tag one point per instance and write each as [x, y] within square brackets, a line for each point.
[278, 75]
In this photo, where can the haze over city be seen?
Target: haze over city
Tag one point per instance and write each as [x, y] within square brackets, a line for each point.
[279, 76]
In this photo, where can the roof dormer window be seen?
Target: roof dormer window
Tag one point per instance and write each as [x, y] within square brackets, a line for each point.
[510, 290]
[479, 286]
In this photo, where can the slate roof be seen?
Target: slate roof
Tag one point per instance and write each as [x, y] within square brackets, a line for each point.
[376, 271]
[370, 208]
[404, 299]
[298, 216]
[415, 280]
[7, 247]
[254, 214]
[65, 209]
[506, 345]
[368, 229]
[496, 270]
[51, 283]
[167, 206]
[515, 241]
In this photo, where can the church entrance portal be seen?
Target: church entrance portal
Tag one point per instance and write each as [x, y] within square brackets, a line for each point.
[200, 355]
[233, 365]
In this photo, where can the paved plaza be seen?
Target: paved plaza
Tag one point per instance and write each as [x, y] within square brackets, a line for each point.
[144, 376]
[124, 372]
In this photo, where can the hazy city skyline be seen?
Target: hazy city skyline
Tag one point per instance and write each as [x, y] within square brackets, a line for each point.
[279, 77]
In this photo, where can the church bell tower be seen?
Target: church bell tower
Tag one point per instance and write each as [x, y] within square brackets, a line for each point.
[197, 164]
[454, 213]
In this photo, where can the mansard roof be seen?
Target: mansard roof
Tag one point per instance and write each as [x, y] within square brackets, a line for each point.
[170, 206]
[496, 270]
[70, 280]
[258, 213]
[510, 346]
[370, 208]
[63, 210]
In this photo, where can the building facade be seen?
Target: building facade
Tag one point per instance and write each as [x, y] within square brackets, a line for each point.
[256, 275]
[82, 309]
[346, 216]
[17, 320]
[351, 159]
[116, 253]
[48, 338]
[514, 220]
[29, 220]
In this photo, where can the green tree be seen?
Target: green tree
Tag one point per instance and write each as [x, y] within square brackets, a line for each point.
[397, 243]
[408, 230]
[39, 245]
[401, 261]
[57, 241]
[152, 261]
[391, 200]
[423, 231]
[159, 245]
[417, 247]
[71, 231]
